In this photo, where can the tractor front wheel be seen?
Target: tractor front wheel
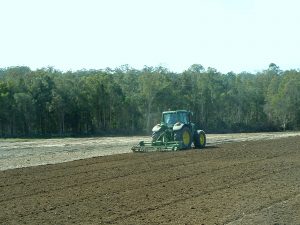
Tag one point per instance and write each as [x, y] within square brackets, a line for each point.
[184, 136]
[156, 135]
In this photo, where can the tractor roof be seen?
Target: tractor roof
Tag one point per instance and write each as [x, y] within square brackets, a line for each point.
[181, 110]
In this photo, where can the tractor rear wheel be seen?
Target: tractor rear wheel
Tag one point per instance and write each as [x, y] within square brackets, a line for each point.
[200, 139]
[185, 136]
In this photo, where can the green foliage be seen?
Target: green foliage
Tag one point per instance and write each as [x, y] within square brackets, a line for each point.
[47, 102]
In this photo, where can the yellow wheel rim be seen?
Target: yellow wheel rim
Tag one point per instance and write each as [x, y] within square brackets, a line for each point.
[202, 139]
[186, 138]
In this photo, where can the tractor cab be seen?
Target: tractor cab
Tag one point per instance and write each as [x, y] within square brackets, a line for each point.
[172, 117]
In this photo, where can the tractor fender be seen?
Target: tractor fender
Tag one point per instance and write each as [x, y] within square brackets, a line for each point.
[178, 126]
[156, 128]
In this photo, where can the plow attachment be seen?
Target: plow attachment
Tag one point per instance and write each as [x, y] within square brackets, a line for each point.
[157, 146]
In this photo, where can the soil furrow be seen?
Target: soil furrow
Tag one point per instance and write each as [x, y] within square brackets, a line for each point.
[236, 182]
[95, 179]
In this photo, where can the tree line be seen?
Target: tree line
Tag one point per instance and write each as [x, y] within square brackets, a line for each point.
[48, 102]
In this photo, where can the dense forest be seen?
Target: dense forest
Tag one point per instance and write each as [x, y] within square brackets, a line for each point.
[47, 102]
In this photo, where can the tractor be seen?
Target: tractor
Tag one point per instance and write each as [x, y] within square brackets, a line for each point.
[174, 132]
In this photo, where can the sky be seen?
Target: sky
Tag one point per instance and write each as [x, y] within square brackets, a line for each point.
[228, 35]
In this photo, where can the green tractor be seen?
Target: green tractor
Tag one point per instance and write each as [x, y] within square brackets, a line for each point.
[175, 132]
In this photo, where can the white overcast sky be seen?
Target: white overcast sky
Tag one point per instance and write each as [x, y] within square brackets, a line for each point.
[229, 35]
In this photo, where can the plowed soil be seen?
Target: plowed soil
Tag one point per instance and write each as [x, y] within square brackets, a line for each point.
[251, 182]
[17, 153]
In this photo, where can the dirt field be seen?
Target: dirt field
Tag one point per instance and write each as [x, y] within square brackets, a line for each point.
[16, 153]
[251, 182]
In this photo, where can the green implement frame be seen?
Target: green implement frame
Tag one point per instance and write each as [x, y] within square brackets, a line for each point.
[157, 146]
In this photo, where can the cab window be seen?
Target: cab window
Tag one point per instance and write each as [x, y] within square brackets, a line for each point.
[170, 118]
[183, 117]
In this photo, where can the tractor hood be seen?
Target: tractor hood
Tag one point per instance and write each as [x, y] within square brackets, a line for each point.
[159, 127]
